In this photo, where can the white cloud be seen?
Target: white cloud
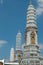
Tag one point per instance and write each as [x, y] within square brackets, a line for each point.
[2, 42]
[1, 1]
[39, 10]
[41, 46]
[40, 2]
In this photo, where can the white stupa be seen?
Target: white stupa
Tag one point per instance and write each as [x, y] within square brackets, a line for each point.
[31, 25]
[18, 41]
[18, 47]
[31, 53]
[12, 55]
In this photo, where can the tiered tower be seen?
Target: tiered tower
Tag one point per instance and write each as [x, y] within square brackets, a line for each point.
[18, 47]
[31, 53]
[18, 41]
[31, 26]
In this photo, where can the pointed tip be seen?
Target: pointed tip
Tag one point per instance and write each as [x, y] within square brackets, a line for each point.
[12, 50]
[30, 1]
[19, 32]
[12, 47]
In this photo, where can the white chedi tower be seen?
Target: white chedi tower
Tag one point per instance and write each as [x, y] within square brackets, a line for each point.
[18, 46]
[18, 41]
[12, 58]
[31, 26]
[31, 53]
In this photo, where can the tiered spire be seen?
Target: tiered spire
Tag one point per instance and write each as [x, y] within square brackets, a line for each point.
[31, 26]
[31, 16]
[18, 41]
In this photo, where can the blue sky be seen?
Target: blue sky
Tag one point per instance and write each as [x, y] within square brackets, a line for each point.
[13, 19]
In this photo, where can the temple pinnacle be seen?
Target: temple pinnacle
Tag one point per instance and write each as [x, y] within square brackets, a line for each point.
[30, 1]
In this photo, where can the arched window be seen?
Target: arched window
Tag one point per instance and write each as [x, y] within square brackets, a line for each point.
[32, 37]
[19, 57]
